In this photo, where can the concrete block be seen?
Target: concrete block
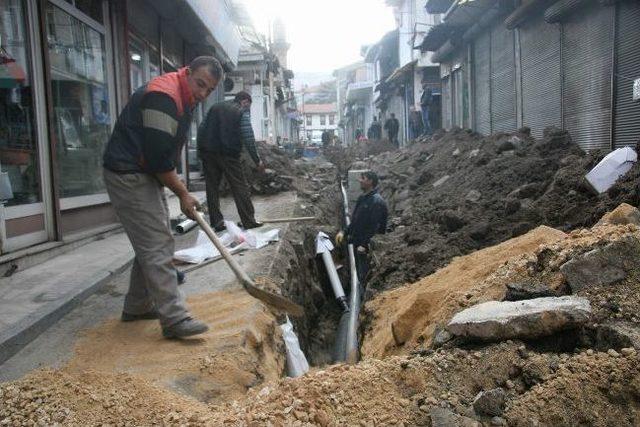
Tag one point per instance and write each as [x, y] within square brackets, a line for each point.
[603, 266]
[498, 321]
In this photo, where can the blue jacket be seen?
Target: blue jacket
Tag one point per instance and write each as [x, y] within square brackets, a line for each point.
[369, 218]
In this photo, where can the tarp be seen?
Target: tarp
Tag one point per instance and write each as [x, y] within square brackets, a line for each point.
[612, 167]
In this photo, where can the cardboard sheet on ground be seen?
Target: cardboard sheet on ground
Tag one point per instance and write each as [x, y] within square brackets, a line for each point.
[612, 167]
[234, 237]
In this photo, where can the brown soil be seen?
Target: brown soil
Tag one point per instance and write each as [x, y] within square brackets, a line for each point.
[242, 349]
[403, 318]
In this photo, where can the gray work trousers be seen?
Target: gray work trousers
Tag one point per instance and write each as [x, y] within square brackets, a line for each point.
[215, 167]
[141, 205]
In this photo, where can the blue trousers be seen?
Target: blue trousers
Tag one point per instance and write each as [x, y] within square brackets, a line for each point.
[425, 120]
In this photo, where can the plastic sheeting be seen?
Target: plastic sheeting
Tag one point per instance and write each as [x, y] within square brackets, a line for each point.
[612, 167]
[297, 364]
[233, 238]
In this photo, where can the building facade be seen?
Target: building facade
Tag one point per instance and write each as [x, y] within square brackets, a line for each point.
[68, 67]
[318, 118]
[354, 88]
[571, 65]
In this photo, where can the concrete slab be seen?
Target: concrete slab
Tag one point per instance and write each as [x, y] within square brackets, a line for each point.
[503, 320]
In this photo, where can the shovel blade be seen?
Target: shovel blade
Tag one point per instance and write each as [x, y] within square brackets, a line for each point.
[274, 300]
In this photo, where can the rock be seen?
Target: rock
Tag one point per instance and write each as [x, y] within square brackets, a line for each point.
[441, 181]
[490, 402]
[322, 418]
[443, 417]
[441, 337]
[603, 266]
[617, 335]
[498, 421]
[496, 321]
[622, 215]
[529, 290]
[611, 352]
[474, 153]
[628, 351]
[473, 196]
[456, 152]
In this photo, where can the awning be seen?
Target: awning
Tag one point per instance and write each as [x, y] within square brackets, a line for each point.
[402, 71]
[437, 36]
[387, 41]
[359, 91]
[466, 12]
[438, 6]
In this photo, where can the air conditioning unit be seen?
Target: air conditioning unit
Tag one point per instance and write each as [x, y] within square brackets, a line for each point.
[237, 86]
[636, 90]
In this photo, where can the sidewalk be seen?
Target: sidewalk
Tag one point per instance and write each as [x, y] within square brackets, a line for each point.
[34, 299]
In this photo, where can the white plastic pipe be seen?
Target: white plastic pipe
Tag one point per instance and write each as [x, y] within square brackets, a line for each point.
[335, 280]
[185, 226]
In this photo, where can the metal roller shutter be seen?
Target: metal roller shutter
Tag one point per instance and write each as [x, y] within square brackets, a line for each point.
[541, 75]
[627, 113]
[446, 102]
[503, 80]
[482, 83]
[587, 46]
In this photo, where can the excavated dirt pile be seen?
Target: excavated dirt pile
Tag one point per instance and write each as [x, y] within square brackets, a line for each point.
[459, 192]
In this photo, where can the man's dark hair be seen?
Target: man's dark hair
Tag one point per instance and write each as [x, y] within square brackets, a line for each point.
[371, 176]
[243, 96]
[393, 115]
[212, 65]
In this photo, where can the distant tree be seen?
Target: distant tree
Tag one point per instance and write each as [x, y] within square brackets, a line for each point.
[325, 93]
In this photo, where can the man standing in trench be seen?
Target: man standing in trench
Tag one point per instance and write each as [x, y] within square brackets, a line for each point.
[139, 162]
[368, 219]
[224, 133]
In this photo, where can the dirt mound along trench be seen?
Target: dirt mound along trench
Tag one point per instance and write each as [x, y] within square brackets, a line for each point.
[460, 192]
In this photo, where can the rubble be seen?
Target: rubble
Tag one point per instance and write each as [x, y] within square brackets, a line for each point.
[496, 188]
[490, 402]
[603, 266]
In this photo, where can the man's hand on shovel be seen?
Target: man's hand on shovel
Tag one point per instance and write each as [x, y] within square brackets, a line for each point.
[189, 205]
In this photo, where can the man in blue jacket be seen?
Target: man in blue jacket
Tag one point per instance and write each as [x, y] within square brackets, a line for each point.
[368, 219]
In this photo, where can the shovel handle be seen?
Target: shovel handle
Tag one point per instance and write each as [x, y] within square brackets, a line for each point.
[237, 270]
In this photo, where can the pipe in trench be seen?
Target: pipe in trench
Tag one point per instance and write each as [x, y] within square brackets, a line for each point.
[347, 348]
[335, 281]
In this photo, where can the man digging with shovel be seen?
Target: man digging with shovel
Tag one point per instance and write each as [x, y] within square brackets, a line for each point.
[139, 161]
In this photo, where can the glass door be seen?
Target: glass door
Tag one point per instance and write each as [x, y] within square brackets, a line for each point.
[25, 216]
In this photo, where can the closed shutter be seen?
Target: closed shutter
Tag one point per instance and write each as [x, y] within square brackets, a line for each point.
[541, 75]
[627, 112]
[503, 80]
[587, 44]
[482, 83]
[446, 102]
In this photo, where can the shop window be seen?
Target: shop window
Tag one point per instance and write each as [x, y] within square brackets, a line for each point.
[332, 119]
[91, 8]
[323, 119]
[82, 121]
[19, 176]
[137, 65]
[144, 63]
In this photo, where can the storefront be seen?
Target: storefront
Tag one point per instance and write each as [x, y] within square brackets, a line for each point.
[62, 82]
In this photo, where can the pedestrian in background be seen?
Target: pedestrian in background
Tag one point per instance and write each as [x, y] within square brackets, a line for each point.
[426, 102]
[392, 126]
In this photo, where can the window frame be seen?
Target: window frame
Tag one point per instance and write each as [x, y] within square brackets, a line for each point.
[75, 202]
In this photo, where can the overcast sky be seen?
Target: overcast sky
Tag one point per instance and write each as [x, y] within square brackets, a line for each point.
[324, 34]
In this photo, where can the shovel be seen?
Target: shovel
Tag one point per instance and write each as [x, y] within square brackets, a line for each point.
[274, 300]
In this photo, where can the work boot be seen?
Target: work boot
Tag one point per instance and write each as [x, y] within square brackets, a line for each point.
[250, 226]
[185, 328]
[149, 315]
[181, 277]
